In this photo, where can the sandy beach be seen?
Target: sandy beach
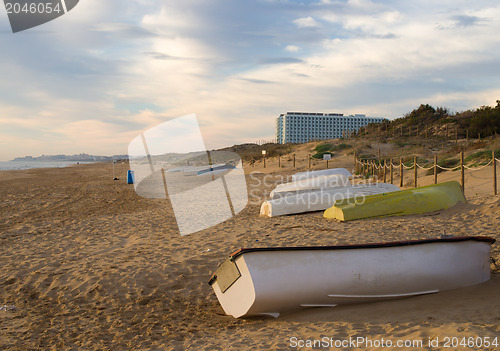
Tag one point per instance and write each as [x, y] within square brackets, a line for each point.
[87, 264]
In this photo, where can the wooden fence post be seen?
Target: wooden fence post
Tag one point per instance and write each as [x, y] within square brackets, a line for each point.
[415, 171]
[385, 171]
[435, 169]
[309, 161]
[401, 172]
[293, 160]
[494, 173]
[355, 163]
[392, 172]
[462, 168]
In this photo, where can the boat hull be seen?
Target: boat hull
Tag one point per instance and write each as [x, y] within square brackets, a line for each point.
[277, 280]
[310, 184]
[404, 202]
[320, 200]
[325, 172]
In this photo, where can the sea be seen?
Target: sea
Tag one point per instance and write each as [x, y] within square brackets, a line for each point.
[15, 165]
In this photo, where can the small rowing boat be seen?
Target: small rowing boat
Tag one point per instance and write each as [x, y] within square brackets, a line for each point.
[273, 280]
[403, 202]
[319, 200]
[325, 172]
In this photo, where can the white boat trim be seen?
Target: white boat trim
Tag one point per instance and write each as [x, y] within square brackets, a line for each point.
[386, 296]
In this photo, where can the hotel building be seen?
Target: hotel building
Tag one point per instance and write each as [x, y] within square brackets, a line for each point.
[302, 127]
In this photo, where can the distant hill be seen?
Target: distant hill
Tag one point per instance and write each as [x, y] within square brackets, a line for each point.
[80, 157]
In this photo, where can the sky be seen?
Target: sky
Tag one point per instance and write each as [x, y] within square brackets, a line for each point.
[90, 81]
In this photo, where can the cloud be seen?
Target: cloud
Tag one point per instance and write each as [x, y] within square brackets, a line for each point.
[292, 48]
[466, 21]
[278, 60]
[90, 81]
[306, 22]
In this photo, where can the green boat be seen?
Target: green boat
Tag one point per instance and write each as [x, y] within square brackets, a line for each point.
[397, 203]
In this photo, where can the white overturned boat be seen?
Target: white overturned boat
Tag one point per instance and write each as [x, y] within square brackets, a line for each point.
[320, 200]
[269, 281]
[309, 184]
[325, 172]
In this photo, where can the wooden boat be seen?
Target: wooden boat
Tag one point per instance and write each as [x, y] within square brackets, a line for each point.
[273, 280]
[403, 202]
[308, 201]
[309, 184]
[325, 172]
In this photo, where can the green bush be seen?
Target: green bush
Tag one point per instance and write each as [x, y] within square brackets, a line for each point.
[341, 147]
[323, 147]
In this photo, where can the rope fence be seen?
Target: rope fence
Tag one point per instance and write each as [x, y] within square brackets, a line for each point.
[371, 167]
[385, 168]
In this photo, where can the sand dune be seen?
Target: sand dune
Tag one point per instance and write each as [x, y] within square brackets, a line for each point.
[88, 264]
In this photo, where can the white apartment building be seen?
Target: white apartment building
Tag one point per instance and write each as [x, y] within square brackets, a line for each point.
[302, 127]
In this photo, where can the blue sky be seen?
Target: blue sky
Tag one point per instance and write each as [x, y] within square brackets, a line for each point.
[92, 79]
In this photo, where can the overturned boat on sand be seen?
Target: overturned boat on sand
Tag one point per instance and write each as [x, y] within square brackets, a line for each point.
[320, 200]
[310, 184]
[403, 202]
[324, 172]
[273, 280]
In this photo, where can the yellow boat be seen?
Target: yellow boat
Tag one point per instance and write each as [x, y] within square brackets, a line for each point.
[403, 202]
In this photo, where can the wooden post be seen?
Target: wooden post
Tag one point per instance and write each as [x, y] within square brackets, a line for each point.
[415, 171]
[401, 172]
[355, 163]
[264, 161]
[479, 136]
[309, 160]
[293, 160]
[384, 175]
[435, 169]
[279, 161]
[462, 168]
[494, 173]
[392, 172]
[326, 164]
